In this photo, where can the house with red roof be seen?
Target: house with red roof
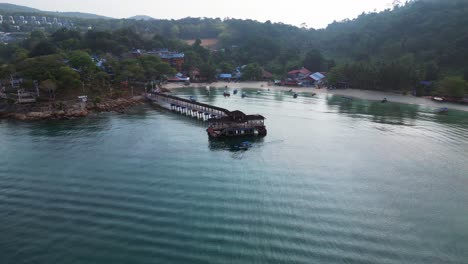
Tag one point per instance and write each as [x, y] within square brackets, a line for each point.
[299, 74]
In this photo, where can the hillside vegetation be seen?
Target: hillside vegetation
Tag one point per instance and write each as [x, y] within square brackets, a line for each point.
[425, 40]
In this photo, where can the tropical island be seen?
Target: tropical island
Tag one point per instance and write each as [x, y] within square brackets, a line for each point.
[61, 65]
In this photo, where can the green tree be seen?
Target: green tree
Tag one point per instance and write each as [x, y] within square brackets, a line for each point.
[453, 86]
[43, 48]
[207, 71]
[252, 72]
[68, 78]
[313, 61]
[80, 60]
[49, 86]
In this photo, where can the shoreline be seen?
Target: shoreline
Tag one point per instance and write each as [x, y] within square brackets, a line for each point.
[355, 93]
[63, 110]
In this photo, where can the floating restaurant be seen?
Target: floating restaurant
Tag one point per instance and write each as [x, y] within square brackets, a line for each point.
[221, 122]
[237, 123]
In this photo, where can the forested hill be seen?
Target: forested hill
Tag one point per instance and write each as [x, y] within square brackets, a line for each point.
[425, 31]
[422, 40]
[12, 9]
[5, 7]
[432, 30]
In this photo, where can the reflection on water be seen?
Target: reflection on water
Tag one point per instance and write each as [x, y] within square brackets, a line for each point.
[386, 113]
[332, 182]
[235, 144]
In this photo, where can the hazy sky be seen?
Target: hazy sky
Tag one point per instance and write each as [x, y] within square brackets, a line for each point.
[315, 13]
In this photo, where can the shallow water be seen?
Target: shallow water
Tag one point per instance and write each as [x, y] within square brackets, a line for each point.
[335, 181]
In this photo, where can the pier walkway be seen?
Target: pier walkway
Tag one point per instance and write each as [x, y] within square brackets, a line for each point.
[187, 107]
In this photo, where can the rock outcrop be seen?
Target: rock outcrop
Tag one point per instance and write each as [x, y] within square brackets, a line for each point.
[67, 109]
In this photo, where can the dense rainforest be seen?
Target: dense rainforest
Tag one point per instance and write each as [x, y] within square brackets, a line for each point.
[419, 42]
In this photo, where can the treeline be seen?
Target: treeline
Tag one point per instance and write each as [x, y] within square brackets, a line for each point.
[67, 62]
[419, 44]
[397, 49]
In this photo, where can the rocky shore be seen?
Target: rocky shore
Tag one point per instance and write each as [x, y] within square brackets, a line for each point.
[66, 109]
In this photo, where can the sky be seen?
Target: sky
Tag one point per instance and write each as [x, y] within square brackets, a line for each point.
[314, 13]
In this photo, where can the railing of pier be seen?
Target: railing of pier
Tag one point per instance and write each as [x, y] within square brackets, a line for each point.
[189, 105]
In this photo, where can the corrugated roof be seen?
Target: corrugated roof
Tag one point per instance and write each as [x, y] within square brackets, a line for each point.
[303, 71]
[317, 76]
[225, 75]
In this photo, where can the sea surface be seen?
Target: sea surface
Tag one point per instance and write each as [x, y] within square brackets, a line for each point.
[335, 181]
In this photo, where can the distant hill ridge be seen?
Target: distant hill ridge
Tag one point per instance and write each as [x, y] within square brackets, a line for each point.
[17, 8]
[142, 17]
[12, 8]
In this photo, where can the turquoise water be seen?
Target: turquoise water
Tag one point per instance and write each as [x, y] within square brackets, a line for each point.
[333, 182]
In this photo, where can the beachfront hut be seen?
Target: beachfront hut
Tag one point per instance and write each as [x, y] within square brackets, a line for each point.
[299, 74]
[225, 76]
[316, 78]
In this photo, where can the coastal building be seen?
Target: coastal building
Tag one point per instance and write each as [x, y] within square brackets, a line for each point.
[236, 124]
[225, 76]
[173, 58]
[314, 79]
[299, 74]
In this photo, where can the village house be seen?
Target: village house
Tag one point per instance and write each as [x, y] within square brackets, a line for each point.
[314, 79]
[298, 75]
[175, 59]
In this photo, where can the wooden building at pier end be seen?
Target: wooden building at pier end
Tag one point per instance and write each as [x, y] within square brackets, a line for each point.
[235, 124]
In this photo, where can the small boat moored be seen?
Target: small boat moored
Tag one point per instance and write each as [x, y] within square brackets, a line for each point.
[235, 91]
[443, 110]
[295, 95]
[244, 145]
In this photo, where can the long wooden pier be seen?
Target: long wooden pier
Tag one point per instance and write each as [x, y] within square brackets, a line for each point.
[187, 107]
[222, 122]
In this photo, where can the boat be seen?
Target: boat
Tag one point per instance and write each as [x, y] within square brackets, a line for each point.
[384, 100]
[244, 94]
[258, 92]
[443, 110]
[244, 145]
[235, 91]
[226, 94]
[438, 99]
[295, 95]
[193, 98]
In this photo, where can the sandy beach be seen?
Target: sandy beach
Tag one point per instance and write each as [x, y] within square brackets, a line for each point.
[362, 94]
